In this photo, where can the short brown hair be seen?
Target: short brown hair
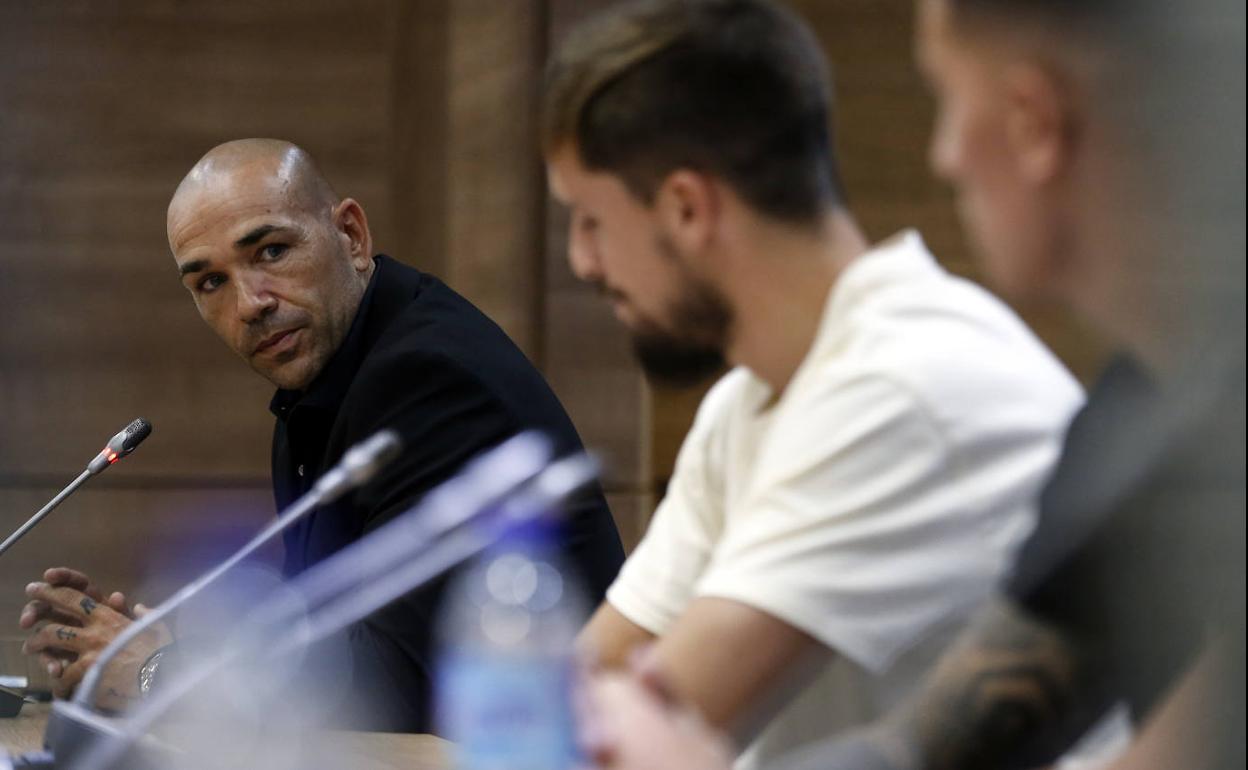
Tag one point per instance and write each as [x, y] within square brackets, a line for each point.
[736, 88]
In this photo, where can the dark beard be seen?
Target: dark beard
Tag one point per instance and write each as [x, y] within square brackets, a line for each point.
[676, 363]
[694, 351]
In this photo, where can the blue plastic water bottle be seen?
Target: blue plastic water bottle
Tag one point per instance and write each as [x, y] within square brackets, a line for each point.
[506, 665]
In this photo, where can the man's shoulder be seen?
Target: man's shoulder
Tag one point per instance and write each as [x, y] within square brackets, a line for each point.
[429, 323]
[737, 389]
[944, 340]
[436, 347]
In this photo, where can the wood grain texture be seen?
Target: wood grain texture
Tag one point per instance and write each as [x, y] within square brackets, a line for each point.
[365, 751]
[103, 107]
[495, 184]
[422, 111]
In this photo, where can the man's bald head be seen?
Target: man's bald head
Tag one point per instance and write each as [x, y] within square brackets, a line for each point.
[275, 166]
[276, 262]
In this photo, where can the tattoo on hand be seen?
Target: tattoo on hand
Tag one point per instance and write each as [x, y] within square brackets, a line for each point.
[1012, 680]
[113, 692]
[65, 633]
[88, 604]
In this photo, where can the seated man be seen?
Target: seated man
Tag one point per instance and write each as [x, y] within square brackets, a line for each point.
[864, 474]
[1131, 589]
[283, 271]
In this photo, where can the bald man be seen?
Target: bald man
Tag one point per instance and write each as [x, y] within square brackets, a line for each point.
[283, 271]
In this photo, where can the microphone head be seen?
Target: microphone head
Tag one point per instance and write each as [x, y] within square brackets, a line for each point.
[121, 445]
[362, 461]
[130, 437]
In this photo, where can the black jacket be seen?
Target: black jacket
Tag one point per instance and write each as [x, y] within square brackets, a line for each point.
[422, 360]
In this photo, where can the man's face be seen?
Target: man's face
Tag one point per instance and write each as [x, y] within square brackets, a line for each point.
[679, 322]
[274, 277]
[1008, 219]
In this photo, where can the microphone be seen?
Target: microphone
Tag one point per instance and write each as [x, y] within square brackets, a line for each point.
[359, 464]
[362, 588]
[118, 447]
[77, 735]
[74, 724]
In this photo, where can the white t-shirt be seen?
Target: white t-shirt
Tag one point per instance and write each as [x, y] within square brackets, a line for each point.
[879, 499]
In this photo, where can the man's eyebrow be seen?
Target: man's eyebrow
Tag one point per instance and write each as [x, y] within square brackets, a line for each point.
[254, 236]
[194, 266]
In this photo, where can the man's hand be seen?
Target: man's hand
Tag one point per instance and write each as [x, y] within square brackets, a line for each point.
[735, 665]
[73, 623]
[626, 725]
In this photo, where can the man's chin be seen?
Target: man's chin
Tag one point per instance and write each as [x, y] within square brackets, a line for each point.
[290, 375]
[677, 363]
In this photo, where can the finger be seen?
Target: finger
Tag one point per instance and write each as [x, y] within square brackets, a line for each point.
[74, 672]
[54, 637]
[72, 578]
[60, 690]
[37, 611]
[140, 610]
[54, 664]
[69, 601]
[31, 614]
[117, 600]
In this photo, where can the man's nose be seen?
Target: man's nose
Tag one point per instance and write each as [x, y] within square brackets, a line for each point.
[255, 301]
[942, 153]
[583, 256]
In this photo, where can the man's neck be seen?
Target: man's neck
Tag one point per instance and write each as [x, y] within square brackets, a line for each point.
[781, 291]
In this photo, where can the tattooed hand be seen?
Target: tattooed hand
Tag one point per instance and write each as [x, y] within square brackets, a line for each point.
[73, 622]
[1010, 689]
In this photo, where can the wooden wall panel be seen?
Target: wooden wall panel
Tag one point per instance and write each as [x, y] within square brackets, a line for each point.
[495, 184]
[465, 176]
[632, 512]
[106, 106]
[103, 107]
[419, 87]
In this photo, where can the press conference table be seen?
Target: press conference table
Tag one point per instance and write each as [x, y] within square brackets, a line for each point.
[368, 751]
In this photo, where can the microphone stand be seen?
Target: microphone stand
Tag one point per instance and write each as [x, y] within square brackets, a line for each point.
[67, 727]
[44, 511]
[118, 447]
[423, 562]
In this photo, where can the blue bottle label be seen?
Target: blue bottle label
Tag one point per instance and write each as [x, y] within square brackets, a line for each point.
[507, 713]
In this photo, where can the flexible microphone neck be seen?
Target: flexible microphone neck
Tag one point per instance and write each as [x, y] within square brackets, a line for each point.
[358, 465]
[537, 497]
[118, 447]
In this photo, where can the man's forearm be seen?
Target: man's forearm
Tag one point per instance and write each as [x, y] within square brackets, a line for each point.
[1012, 690]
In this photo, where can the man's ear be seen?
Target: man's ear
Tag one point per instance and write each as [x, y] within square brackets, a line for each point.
[688, 208]
[1039, 125]
[351, 224]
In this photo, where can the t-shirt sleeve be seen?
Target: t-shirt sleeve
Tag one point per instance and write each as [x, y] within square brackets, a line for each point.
[658, 578]
[856, 532]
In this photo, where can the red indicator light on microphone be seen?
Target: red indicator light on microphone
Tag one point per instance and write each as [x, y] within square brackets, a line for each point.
[112, 457]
